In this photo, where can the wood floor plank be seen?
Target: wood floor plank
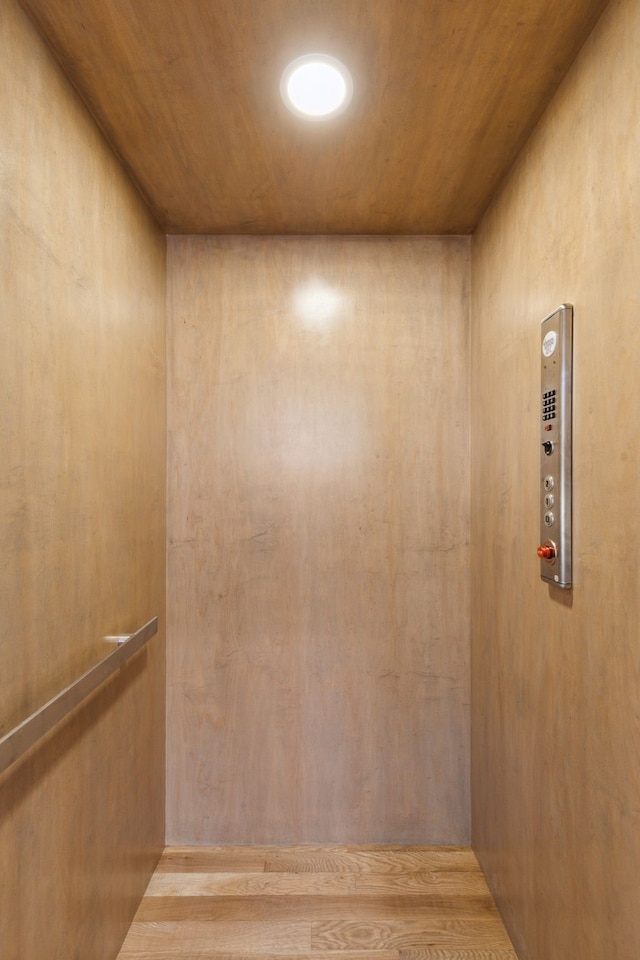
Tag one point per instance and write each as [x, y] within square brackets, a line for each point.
[305, 907]
[439, 954]
[408, 934]
[185, 938]
[446, 883]
[381, 860]
[357, 848]
[250, 884]
[218, 859]
[317, 903]
[213, 954]
[454, 883]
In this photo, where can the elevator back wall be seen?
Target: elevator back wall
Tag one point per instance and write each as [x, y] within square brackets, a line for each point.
[318, 569]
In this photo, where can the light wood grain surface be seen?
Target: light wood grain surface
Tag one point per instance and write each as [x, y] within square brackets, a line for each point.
[445, 95]
[82, 514]
[556, 736]
[269, 913]
[318, 576]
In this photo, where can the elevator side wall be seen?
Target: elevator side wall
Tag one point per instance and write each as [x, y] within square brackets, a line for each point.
[555, 676]
[82, 514]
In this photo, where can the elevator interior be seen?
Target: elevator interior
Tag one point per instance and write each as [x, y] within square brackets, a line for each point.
[312, 398]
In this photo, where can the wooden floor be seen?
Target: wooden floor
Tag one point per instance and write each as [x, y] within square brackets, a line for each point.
[317, 903]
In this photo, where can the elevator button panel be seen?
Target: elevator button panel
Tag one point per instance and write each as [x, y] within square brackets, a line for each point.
[556, 386]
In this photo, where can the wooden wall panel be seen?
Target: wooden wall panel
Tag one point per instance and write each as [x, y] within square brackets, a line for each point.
[82, 513]
[556, 728]
[318, 540]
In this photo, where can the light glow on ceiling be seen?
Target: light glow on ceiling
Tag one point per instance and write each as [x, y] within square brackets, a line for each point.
[316, 87]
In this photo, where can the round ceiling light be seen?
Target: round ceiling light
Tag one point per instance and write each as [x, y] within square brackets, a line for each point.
[316, 87]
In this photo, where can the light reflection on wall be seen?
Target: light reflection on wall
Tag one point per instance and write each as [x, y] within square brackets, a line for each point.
[313, 420]
[317, 305]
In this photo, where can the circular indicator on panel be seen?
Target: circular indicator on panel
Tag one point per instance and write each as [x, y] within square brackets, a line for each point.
[549, 343]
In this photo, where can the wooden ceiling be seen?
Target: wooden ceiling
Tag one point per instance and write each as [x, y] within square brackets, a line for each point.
[445, 94]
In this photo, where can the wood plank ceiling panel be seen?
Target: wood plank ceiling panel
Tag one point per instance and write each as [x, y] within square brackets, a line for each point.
[446, 92]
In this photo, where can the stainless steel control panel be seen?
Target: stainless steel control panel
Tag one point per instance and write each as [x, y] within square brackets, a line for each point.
[556, 383]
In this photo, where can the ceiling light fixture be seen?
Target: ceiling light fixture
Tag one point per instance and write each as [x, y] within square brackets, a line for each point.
[316, 87]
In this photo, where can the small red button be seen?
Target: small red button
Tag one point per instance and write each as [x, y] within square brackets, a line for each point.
[546, 552]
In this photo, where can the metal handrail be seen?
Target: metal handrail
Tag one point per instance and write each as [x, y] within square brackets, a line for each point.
[16, 743]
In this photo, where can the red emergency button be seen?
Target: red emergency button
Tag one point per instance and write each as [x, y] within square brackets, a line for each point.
[547, 552]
